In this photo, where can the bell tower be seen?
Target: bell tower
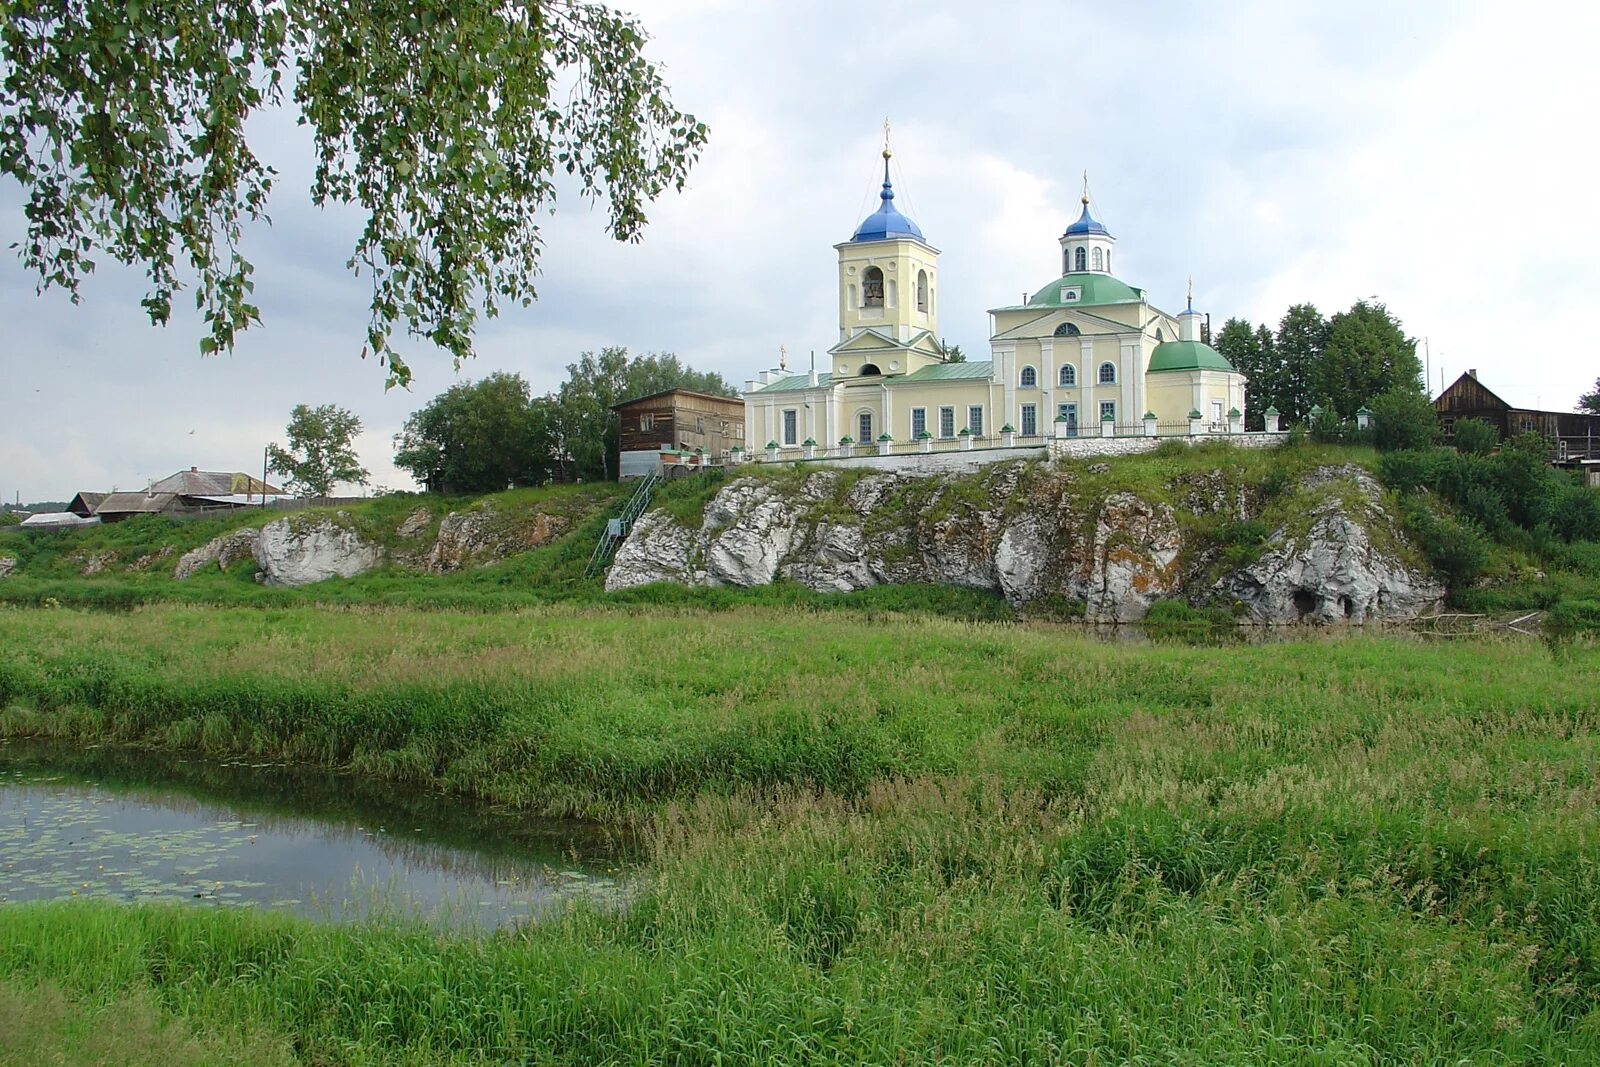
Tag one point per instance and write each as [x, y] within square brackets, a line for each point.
[888, 289]
[1086, 245]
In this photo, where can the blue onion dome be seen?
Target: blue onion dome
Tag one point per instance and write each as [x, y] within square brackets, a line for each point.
[1086, 224]
[886, 223]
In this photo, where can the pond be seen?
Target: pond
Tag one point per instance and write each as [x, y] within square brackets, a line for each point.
[129, 825]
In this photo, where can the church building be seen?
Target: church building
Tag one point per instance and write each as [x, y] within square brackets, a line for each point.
[1084, 351]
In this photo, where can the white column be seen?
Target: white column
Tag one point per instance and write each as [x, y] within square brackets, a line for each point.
[1131, 406]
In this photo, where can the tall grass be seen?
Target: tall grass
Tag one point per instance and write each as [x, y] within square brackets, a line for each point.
[894, 839]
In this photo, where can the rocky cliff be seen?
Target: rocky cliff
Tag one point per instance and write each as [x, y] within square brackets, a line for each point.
[1318, 547]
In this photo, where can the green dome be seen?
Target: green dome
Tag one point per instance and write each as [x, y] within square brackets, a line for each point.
[1187, 355]
[1095, 289]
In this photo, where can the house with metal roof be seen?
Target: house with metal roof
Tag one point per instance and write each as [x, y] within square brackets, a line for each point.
[186, 493]
[1085, 354]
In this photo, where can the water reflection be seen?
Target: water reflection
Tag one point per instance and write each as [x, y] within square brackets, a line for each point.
[129, 826]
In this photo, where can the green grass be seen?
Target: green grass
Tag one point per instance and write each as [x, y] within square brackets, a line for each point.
[884, 839]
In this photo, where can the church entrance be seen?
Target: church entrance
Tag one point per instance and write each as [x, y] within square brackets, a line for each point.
[1069, 412]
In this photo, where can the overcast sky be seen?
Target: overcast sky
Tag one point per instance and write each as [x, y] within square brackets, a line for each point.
[1438, 156]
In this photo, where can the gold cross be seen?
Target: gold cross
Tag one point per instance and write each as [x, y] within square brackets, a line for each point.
[887, 152]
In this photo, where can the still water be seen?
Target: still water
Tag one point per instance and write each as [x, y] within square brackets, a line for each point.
[132, 826]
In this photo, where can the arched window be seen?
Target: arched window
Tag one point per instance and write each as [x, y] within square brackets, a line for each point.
[1159, 335]
[870, 368]
[1108, 261]
[872, 288]
[1067, 329]
[1098, 259]
[1108, 374]
[922, 291]
[1030, 378]
[1081, 258]
[1069, 375]
[1066, 261]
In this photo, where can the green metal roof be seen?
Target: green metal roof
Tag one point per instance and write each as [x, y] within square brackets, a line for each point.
[939, 372]
[946, 372]
[794, 383]
[1096, 289]
[1187, 355]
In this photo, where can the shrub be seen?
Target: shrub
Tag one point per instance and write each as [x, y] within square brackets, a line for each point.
[1474, 437]
[1327, 428]
[1457, 550]
[1410, 469]
[1403, 418]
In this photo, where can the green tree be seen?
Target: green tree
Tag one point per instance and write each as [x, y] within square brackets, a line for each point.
[950, 353]
[478, 437]
[1402, 418]
[1591, 401]
[446, 122]
[1301, 334]
[321, 450]
[1253, 353]
[1365, 353]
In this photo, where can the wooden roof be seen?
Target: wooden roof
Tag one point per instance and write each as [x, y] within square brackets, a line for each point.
[668, 392]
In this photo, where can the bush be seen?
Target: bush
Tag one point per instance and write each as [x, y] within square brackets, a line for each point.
[1474, 437]
[1403, 418]
[1410, 469]
[1327, 428]
[1457, 550]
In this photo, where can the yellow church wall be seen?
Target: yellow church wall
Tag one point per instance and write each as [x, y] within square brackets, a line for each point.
[900, 317]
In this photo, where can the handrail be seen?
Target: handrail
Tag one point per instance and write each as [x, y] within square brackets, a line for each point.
[619, 526]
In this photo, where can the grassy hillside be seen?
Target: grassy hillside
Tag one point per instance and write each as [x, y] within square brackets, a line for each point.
[1517, 570]
[878, 840]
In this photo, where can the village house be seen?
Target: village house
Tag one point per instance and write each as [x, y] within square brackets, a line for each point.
[1574, 436]
[677, 427]
[186, 493]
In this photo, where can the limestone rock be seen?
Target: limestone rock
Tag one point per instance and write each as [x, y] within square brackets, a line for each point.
[485, 535]
[222, 551]
[1032, 540]
[150, 559]
[1133, 561]
[657, 550]
[98, 563]
[413, 523]
[7, 565]
[293, 553]
[1335, 571]
[754, 527]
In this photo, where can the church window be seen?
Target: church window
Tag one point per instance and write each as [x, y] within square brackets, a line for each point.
[922, 291]
[1108, 374]
[1108, 261]
[791, 420]
[1159, 335]
[1030, 377]
[864, 427]
[1080, 258]
[872, 288]
[919, 422]
[892, 296]
[1068, 376]
[1067, 329]
[975, 420]
[947, 422]
[870, 368]
[1097, 259]
[1108, 410]
[1030, 420]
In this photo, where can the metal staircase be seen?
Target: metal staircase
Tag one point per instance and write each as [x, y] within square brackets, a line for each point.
[617, 526]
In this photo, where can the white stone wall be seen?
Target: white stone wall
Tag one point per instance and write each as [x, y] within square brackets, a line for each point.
[1079, 447]
[928, 462]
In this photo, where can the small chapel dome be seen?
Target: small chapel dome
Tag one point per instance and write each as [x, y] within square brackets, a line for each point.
[1086, 224]
[887, 222]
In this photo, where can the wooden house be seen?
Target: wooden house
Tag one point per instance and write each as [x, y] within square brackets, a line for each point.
[1574, 436]
[676, 421]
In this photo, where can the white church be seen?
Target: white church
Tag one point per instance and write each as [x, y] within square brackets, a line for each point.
[1085, 355]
